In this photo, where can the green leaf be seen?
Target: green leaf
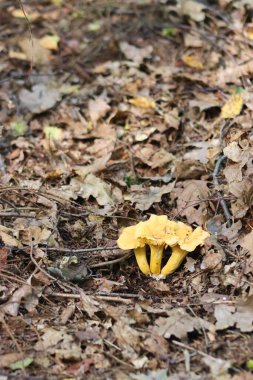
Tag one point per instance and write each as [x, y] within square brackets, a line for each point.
[18, 128]
[21, 363]
[169, 32]
[53, 133]
[249, 364]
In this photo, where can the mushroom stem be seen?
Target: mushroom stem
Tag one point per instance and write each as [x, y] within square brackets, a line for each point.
[141, 258]
[156, 254]
[176, 258]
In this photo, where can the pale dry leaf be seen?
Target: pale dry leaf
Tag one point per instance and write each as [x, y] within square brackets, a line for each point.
[153, 375]
[49, 42]
[235, 153]
[126, 335]
[12, 306]
[89, 304]
[93, 186]
[143, 102]
[7, 359]
[34, 51]
[41, 98]
[191, 200]
[246, 242]
[217, 366]
[49, 339]
[232, 107]
[193, 62]
[240, 316]
[9, 240]
[145, 198]
[178, 323]
[98, 109]
[193, 9]
[134, 53]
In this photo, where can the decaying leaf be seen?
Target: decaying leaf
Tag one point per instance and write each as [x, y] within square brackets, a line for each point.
[134, 53]
[232, 107]
[240, 316]
[178, 323]
[98, 109]
[41, 98]
[145, 198]
[193, 62]
[50, 42]
[143, 102]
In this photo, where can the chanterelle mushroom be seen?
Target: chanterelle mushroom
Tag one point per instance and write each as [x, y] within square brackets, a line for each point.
[158, 232]
[188, 240]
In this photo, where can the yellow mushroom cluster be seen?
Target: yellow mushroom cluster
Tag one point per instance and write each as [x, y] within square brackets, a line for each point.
[158, 233]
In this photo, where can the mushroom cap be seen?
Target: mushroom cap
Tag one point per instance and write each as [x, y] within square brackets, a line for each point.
[188, 239]
[128, 238]
[158, 230]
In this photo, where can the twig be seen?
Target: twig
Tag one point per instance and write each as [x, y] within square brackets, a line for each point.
[223, 204]
[186, 346]
[82, 250]
[16, 214]
[111, 262]
[119, 360]
[102, 298]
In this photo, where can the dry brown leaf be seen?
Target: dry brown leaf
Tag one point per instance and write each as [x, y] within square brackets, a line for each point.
[240, 316]
[145, 198]
[12, 306]
[89, 304]
[98, 109]
[191, 200]
[178, 323]
[193, 9]
[34, 51]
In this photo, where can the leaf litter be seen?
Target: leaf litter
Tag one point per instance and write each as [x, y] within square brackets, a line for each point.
[110, 114]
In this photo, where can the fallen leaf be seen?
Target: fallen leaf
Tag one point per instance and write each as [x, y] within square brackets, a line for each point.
[191, 200]
[92, 186]
[24, 363]
[232, 107]
[178, 323]
[193, 9]
[134, 53]
[49, 42]
[53, 133]
[143, 102]
[19, 13]
[7, 237]
[7, 359]
[98, 109]
[41, 98]
[151, 375]
[218, 367]
[89, 304]
[34, 52]
[246, 242]
[12, 306]
[3, 256]
[192, 61]
[240, 316]
[145, 198]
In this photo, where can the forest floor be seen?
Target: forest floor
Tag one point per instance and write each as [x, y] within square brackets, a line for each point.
[112, 111]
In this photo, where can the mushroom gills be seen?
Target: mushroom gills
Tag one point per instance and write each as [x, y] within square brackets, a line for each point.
[176, 258]
[141, 258]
